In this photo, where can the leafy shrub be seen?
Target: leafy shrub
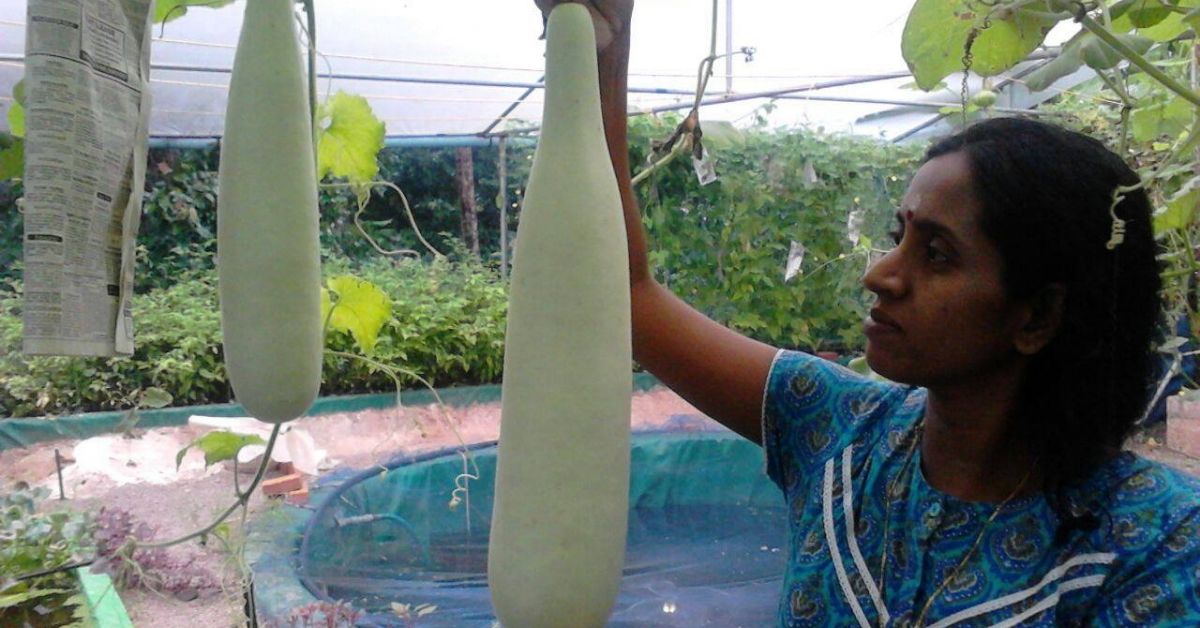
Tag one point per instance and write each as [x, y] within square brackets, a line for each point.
[447, 327]
[723, 247]
[178, 349]
[32, 541]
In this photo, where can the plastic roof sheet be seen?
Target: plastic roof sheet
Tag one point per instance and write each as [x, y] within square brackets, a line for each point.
[453, 67]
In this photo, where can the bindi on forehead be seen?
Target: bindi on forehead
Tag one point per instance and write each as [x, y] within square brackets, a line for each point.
[909, 206]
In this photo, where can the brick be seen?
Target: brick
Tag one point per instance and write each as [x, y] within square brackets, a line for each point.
[1183, 435]
[286, 468]
[297, 497]
[282, 485]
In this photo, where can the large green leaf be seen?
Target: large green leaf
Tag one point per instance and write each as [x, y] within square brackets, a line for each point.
[1147, 13]
[361, 309]
[1171, 26]
[349, 140]
[167, 10]
[12, 160]
[937, 30]
[218, 446]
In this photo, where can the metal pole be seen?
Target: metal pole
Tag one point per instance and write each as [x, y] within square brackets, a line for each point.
[503, 176]
[58, 468]
[500, 118]
[728, 46]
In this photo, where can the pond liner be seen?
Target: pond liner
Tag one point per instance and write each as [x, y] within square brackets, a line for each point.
[707, 538]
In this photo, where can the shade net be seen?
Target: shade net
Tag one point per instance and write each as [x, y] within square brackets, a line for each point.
[705, 547]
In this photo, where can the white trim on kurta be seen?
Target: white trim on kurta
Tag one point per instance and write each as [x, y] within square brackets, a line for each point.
[1013, 598]
[848, 513]
[831, 541]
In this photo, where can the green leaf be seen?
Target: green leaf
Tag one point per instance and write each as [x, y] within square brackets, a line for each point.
[1169, 118]
[1147, 13]
[16, 110]
[936, 34]
[167, 10]
[12, 160]
[8, 600]
[154, 397]
[1171, 26]
[218, 446]
[720, 134]
[361, 309]
[1180, 209]
[349, 140]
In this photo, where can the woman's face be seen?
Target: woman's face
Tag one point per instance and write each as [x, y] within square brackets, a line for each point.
[941, 316]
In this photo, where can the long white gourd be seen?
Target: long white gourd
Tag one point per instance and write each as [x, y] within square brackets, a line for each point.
[562, 482]
[267, 223]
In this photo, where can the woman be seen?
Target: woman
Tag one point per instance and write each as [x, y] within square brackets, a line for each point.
[989, 487]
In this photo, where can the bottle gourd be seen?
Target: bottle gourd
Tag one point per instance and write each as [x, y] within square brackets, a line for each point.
[267, 223]
[562, 481]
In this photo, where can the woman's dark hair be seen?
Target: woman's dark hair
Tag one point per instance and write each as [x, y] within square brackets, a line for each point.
[1046, 194]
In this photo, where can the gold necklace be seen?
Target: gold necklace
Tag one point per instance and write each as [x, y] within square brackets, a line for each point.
[893, 494]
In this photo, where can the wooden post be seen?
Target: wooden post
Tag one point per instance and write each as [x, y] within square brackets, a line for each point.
[465, 168]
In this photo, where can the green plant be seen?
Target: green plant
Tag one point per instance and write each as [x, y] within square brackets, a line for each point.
[446, 326]
[39, 542]
[176, 238]
[724, 246]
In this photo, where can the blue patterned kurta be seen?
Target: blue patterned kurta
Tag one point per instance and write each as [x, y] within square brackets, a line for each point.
[834, 441]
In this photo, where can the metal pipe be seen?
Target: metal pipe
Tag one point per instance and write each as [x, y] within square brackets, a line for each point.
[514, 105]
[728, 46]
[174, 67]
[401, 141]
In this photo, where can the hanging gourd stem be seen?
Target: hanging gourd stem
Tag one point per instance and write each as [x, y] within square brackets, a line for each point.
[243, 498]
[362, 206]
[394, 373]
[691, 122]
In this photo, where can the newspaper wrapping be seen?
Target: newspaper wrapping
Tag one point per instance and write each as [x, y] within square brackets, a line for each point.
[87, 67]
